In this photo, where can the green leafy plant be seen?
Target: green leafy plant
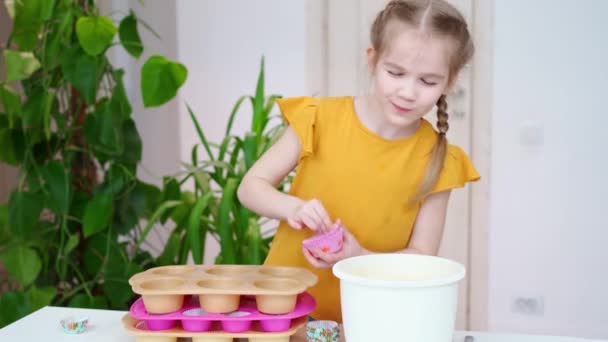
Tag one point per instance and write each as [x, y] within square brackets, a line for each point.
[70, 232]
[215, 210]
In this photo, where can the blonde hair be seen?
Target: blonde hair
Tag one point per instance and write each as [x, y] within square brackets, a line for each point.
[441, 19]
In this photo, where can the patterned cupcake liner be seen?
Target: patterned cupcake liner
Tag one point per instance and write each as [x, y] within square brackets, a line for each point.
[74, 325]
[322, 331]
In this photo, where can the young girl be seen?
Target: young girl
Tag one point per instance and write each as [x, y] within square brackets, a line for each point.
[372, 162]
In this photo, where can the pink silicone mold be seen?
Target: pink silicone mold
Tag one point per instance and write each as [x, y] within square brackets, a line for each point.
[330, 242]
[194, 319]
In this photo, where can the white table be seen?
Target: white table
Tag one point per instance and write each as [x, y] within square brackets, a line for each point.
[106, 325]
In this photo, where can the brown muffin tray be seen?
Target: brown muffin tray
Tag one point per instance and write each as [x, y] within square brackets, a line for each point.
[220, 287]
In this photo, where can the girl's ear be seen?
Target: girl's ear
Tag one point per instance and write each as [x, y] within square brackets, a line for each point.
[371, 58]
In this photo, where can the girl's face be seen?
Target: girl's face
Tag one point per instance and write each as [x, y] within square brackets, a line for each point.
[409, 76]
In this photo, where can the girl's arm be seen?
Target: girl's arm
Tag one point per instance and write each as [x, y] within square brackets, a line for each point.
[428, 228]
[258, 189]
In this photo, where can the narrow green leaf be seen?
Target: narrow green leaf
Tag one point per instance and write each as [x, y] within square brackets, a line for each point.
[129, 36]
[172, 248]
[171, 192]
[4, 232]
[97, 214]
[20, 65]
[254, 242]
[22, 263]
[181, 212]
[267, 109]
[46, 9]
[200, 132]
[258, 103]
[72, 243]
[224, 227]
[12, 104]
[95, 33]
[83, 72]
[58, 186]
[160, 80]
[13, 306]
[155, 217]
[235, 109]
[196, 235]
[24, 212]
[250, 146]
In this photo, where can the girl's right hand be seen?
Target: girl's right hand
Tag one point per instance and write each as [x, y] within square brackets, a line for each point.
[310, 214]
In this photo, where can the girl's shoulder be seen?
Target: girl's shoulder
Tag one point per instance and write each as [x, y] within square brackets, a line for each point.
[297, 104]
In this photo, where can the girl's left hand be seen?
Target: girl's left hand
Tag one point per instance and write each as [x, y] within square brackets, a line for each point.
[350, 248]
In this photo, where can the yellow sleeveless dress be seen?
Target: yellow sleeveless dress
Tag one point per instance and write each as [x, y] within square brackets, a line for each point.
[361, 178]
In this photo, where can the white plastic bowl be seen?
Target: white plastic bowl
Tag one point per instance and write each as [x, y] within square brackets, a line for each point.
[399, 297]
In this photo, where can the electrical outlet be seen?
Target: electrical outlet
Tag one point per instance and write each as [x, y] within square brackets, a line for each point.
[532, 306]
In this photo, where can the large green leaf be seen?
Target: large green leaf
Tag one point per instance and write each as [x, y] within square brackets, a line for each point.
[171, 192]
[129, 36]
[95, 251]
[116, 285]
[22, 263]
[11, 102]
[58, 186]
[9, 153]
[20, 65]
[37, 110]
[120, 102]
[59, 36]
[132, 143]
[13, 306]
[95, 33]
[41, 297]
[98, 213]
[84, 301]
[29, 16]
[109, 124]
[83, 72]
[160, 80]
[24, 212]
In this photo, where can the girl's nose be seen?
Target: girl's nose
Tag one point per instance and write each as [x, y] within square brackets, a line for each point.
[407, 90]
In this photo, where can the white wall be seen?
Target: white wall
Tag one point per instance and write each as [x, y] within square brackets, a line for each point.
[548, 231]
[221, 43]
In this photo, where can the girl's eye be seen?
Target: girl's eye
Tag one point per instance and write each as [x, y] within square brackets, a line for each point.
[394, 73]
[429, 83]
